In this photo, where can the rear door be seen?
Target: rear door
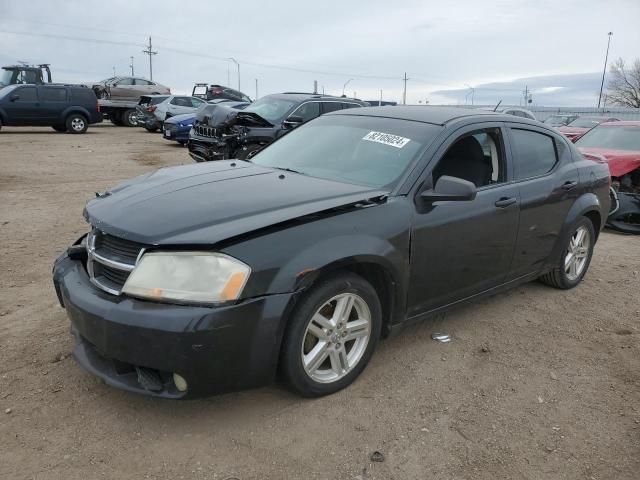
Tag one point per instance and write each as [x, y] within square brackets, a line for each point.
[462, 248]
[124, 88]
[23, 107]
[547, 181]
[53, 101]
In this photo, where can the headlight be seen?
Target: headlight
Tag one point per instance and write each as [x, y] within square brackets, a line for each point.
[192, 277]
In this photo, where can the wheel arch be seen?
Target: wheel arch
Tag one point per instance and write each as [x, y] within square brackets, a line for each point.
[589, 206]
[75, 109]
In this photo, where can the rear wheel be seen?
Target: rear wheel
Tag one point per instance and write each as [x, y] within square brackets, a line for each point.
[576, 256]
[129, 118]
[77, 123]
[331, 335]
[116, 118]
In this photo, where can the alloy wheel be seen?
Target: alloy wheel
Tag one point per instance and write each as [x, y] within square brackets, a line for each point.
[336, 338]
[77, 124]
[577, 253]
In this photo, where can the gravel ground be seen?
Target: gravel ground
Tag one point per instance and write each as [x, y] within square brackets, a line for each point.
[537, 383]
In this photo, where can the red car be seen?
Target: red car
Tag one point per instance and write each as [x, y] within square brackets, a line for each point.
[618, 144]
[582, 125]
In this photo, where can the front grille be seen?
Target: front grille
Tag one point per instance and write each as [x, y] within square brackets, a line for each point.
[205, 131]
[110, 260]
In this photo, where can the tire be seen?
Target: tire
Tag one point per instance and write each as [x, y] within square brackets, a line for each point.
[332, 370]
[129, 117]
[77, 123]
[116, 118]
[578, 261]
[0, 124]
[59, 128]
[246, 152]
[151, 129]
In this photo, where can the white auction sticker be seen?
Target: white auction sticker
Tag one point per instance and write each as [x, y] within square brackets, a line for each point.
[387, 139]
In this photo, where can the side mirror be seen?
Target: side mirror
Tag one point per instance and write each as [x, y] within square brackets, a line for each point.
[14, 97]
[293, 122]
[450, 189]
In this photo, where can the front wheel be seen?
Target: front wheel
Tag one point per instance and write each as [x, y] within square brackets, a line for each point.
[574, 262]
[76, 123]
[331, 335]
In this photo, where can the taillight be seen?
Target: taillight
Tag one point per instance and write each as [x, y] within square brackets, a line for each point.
[97, 106]
[151, 108]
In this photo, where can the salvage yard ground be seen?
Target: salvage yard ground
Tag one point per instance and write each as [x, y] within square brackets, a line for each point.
[537, 383]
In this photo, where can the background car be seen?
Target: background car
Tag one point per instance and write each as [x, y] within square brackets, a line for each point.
[177, 128]
[618, 144]
[65, 108]
[582, 125]
[518, 112]
[128, 88]
[152, 111]
[265, 120]
[212, 92]
[559, 120]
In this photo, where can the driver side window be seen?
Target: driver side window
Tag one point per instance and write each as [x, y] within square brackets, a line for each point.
[307, 111]
[477, 157]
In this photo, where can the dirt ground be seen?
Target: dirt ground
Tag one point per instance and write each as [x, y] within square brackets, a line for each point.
[537, 383]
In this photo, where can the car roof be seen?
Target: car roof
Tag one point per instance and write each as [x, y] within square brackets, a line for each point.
[299, 96]
[426, 113]
[621, 123]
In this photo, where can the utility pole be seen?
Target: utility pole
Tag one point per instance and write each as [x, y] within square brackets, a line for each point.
[149, 51]
[315, 86]
[114, 71]
[404, 93]
[228, 75]
[345, 85]
[256, 88]
[527, 95]
[132, 74]
[237, 65]
[604, 70]
[380, 104]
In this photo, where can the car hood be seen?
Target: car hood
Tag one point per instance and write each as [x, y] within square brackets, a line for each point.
[184, 117]
[620, 162]
[214, 201]
[573, 130]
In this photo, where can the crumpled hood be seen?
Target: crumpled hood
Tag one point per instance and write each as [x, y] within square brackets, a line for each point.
[620, 162]
[213, 201]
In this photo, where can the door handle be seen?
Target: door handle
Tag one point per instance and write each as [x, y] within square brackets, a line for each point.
[569, 184]
[505, 202]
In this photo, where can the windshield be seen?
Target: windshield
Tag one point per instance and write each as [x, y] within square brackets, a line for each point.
[5, 77]
[271, 109]
[584, 122]
[556, 120]
[369, 151]
[614, 138]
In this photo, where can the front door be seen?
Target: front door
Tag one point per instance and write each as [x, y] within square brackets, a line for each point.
[461, 248]
[23, 107]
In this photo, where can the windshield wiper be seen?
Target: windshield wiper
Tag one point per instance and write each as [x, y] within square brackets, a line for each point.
[289, 170]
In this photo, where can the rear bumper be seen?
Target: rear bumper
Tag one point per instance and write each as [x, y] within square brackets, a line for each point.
[215, 349]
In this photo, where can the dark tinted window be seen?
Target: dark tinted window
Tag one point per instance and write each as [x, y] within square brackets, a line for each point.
[350, 105]
[27, 94]
[181, 101]
[534, 153]
[331, 106]
[307, 111]
[140, 81]
[48, 94]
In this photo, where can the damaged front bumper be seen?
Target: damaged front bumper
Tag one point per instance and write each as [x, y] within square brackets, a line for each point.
[207, 151]
[624, 215]
[138, 345]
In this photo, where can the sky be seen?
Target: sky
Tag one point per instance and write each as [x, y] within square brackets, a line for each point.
[452, 52]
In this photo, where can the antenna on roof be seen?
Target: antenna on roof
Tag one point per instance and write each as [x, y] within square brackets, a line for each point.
[496, 107]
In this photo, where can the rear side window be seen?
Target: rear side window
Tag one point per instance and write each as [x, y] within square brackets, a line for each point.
[27, 94]
[331, 106]
[181, 101]
[307, 111]
[534, 153]
[140, 81]
[53, 94]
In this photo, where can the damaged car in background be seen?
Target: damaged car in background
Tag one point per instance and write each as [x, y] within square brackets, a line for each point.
[618, 145]
[222, 133]
[214, 277]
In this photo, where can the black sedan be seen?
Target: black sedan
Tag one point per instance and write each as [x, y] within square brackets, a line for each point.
[213, 277]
